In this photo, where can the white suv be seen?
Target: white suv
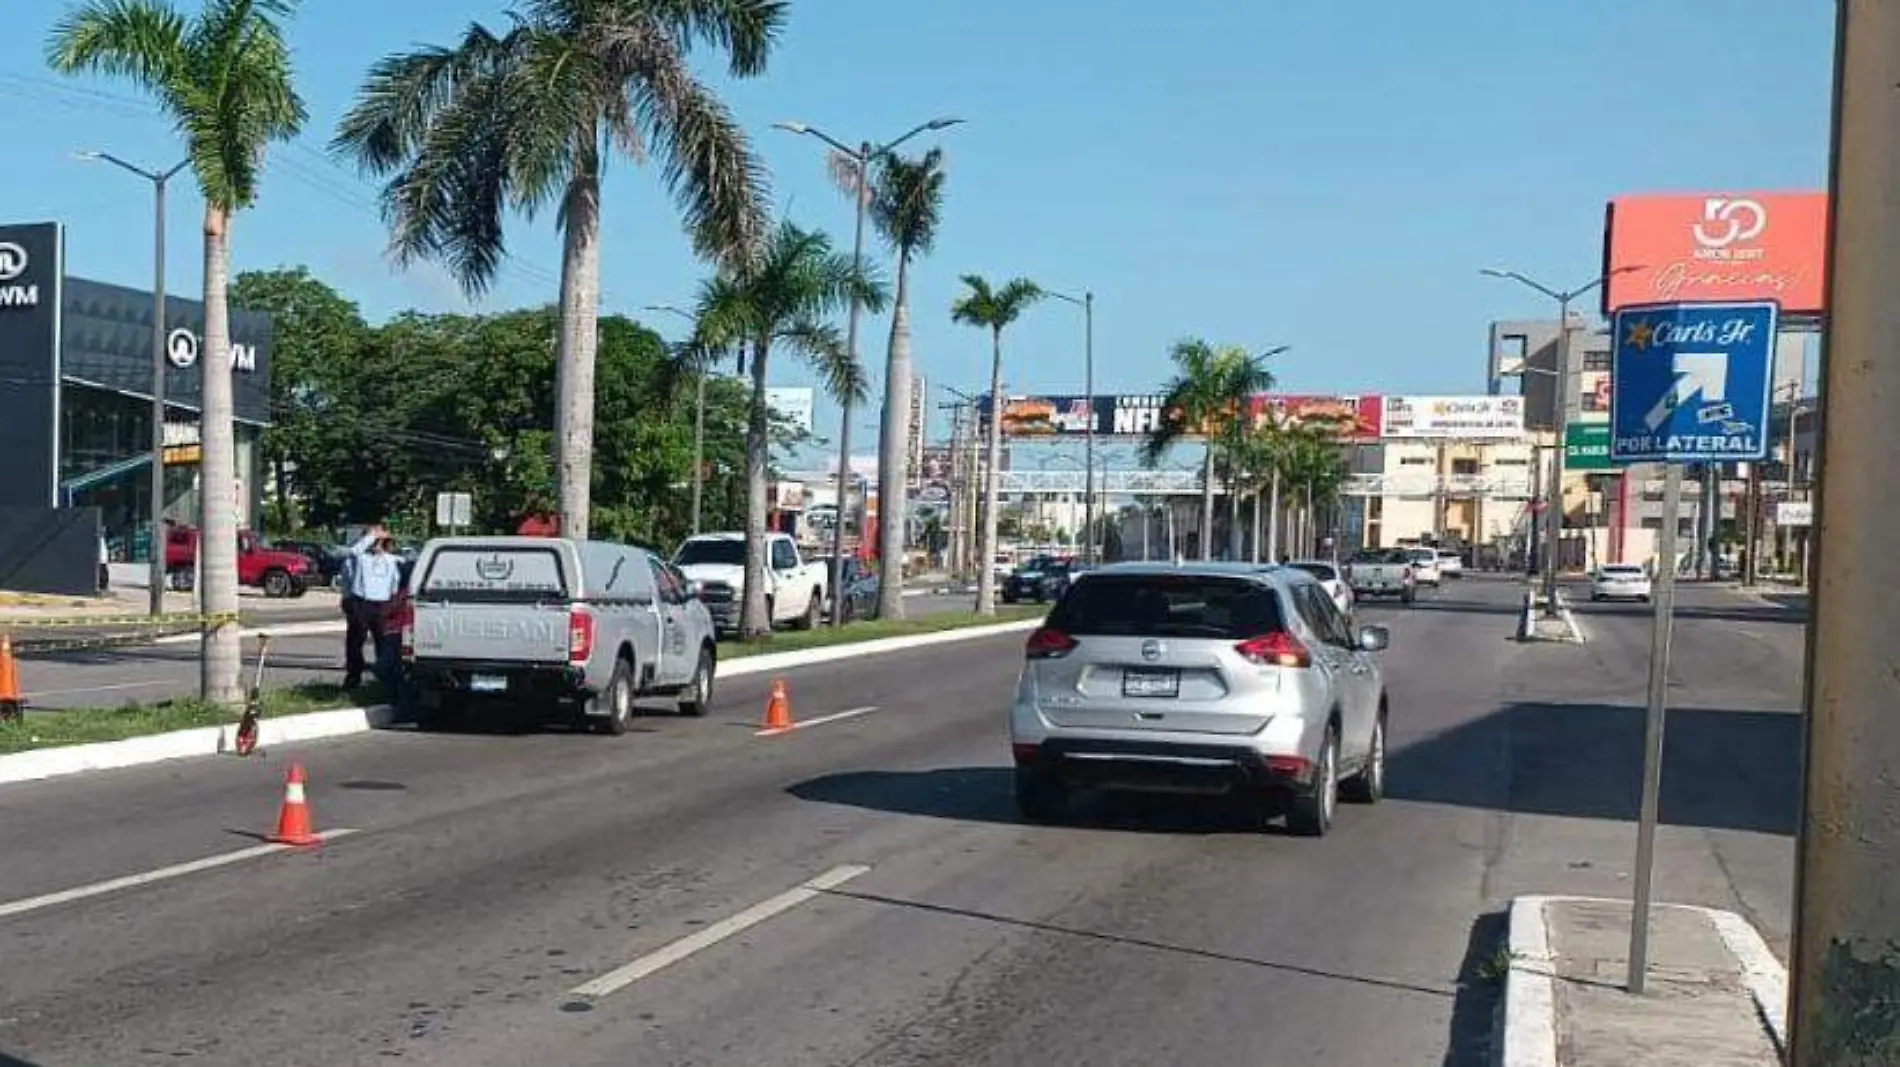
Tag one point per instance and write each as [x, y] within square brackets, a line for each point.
[1202, 678]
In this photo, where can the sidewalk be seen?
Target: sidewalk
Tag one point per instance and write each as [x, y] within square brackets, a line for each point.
[1716, 995]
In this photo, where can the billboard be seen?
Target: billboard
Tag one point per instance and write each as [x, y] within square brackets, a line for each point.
[1587, 447]
[32, 274]
[1453, 416]
[1716, 246]
[1137, 415]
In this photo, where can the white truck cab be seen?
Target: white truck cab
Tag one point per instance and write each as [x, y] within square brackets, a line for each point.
[794, 586]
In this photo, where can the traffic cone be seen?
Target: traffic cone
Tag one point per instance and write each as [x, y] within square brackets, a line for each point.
[293, 819]
[778, 707]
[12, 704]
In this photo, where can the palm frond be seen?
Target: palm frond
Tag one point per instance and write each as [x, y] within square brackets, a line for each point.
[405, 92]
[906, 201]
[142, 41]
[449, 202]
[823, 347]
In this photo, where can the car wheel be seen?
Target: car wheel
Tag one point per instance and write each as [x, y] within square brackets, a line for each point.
[1039, 797]
[276, 584]
[1311, 814]
[1368, 786]
[619, 698]
[697, 697]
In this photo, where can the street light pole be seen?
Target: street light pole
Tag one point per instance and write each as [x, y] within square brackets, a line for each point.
[1845, 970]
[156, 544]
[895, 424]
[1554, 503]
[1087, 304]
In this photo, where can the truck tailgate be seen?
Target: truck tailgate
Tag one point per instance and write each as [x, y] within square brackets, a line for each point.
[491, 632]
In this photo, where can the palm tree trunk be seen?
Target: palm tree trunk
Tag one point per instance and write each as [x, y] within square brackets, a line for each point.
[220, 660]
[754, 620]
[1273, 518]
[1207, 503]
[1233, 516]
[1259, 502]
[992, 483]
[574, 359]
[891, 455]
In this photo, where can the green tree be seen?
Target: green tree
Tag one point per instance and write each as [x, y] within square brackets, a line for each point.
[1314, 470]
[1208, 397]
[319, 339]
[528, 118]
[992, 309]
[224, 78]
[907, 208]
[784, 300]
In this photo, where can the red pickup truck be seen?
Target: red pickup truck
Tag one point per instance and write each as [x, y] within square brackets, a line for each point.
[277, 572]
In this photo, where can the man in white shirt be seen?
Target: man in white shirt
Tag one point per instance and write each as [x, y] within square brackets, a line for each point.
[373, 572]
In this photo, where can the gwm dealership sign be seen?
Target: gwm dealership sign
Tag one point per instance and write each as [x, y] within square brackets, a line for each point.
[182, 346]
[14, 263]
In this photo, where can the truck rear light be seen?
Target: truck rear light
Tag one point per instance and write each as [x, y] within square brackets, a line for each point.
[1025, 752]
[1280, 649]
[402, 618]
[1290, 767]
[1046, 643]
[580, 637]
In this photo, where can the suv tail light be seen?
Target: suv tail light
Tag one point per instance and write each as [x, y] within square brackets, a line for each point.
[580, 637]
[1280, 649]
[1048, 644]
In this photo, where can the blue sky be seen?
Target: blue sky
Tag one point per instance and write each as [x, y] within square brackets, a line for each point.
[1325, 175]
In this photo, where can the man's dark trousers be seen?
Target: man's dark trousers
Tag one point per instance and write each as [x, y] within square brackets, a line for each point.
[362, 621]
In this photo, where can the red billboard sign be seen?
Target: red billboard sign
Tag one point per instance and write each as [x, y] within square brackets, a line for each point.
[1716, 246]
[1353, 417]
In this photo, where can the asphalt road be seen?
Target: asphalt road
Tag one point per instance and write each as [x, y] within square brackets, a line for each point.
[148, 673]
[494, 875]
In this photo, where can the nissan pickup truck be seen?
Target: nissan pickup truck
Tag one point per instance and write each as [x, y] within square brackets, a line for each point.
[794, 586]
[574, 630]
[1382, 572]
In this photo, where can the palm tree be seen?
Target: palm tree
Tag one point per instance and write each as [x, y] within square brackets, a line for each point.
[527, 119]
[906, 206]
[1208, 397]
[225, 79]
[1314, 470]
[783, 299]
[992, 309]
[1260, 454]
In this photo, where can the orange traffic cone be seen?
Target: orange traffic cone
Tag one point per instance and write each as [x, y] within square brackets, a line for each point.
[12, 704]
[293, 819]
[778, 707]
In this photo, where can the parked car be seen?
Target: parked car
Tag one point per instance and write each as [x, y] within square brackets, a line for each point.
[279, 573]
[1041, 579]
[794, 586]
[1425, 567]
[326, 558]
[575, 629]
[860, 589]
[1208, 678]
[1327, 574]
[1450, 564]
[1382, 572]
[1620, 581]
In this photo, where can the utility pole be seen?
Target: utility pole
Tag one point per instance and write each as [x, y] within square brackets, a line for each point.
[1846, 967]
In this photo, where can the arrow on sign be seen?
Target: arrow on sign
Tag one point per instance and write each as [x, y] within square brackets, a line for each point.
[1696, 372]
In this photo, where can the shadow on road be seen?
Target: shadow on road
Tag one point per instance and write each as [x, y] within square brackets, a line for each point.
[1722, 769]
[1474, 1018]
[1731, 613]
[14, 1061]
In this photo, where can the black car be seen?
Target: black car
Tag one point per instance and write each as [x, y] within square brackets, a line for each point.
[860, 586]
[1042, 579]
[324, 559]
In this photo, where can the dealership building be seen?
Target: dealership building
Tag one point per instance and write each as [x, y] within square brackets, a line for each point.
[76, 413]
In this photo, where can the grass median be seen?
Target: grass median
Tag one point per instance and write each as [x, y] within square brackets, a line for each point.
[78, 726]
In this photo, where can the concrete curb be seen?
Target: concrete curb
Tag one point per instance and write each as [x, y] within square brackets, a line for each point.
[1530, 989]
[44, 763]
[1570, 618]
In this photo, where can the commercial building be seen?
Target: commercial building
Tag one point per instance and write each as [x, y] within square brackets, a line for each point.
[76, 358]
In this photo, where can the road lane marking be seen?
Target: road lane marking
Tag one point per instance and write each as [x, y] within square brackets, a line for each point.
[96, 689]
[130, 881]
[659, 959]
[839, 716]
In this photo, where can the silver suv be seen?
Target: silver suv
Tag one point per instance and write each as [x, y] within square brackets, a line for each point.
[1201, 678]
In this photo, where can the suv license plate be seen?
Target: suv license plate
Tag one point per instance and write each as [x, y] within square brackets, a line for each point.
[487, 683]
[1138, 682]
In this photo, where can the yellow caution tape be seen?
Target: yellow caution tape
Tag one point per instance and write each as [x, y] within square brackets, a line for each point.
[74, 622]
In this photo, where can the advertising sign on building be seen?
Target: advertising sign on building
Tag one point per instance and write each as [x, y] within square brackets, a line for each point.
[1794, 513]
[1351, 417]
[791, 403]
[1460, 417]
[31, 277]
[1716, 246]
[1137, 415]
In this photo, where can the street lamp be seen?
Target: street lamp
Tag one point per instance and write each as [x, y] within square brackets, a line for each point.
[1554, 504]
[156, 546]
[896, 393]
[699, 419]
[1087, 304]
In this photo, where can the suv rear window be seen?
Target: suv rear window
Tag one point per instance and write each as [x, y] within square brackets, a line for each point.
[1167, 605]
[1323, 571]
[477, 573]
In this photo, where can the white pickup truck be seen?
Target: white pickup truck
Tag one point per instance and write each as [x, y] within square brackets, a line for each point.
[794, 586]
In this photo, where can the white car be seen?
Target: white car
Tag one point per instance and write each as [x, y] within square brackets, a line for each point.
[1620, 581]
[1327, 574]
[1425, 566]
[1450, 564]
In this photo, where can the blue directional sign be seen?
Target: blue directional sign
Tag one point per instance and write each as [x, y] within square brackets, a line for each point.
[1690, 383]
